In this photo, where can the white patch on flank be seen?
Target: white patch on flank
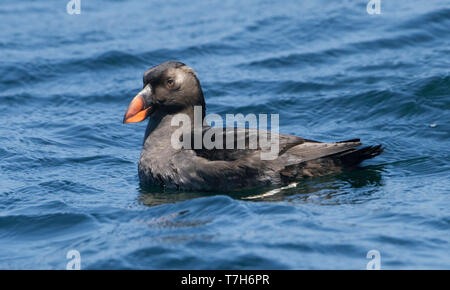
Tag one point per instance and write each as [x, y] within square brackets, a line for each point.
[272, 192]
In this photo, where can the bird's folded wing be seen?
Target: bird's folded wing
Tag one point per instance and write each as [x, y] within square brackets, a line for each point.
[241, 142]
[313, 150]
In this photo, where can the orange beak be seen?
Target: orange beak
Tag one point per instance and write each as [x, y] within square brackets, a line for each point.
[137, 110]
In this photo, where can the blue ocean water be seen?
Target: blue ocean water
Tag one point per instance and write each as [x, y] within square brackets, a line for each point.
[68, 166]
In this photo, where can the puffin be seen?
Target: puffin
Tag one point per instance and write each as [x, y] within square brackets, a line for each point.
[169, 160]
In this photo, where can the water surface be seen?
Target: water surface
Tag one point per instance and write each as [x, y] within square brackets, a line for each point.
[68, 166]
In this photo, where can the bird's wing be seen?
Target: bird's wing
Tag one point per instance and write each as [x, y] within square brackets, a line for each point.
[310, 150]
[238, 143]
[242, 167]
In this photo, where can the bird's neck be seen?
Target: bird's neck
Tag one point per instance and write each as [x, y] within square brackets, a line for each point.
[159, 129]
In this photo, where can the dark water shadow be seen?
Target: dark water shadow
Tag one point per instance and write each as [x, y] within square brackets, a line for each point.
[328, 187]
[351, 187]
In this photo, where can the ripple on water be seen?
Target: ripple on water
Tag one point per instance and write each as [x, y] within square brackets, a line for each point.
[68, 166]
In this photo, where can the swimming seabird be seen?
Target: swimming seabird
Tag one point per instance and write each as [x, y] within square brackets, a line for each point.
[172, 88]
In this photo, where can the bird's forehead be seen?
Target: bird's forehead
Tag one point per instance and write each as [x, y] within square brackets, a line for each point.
[153, 74]
[156, 72]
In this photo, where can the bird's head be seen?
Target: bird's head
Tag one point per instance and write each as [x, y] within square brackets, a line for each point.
[170, 87]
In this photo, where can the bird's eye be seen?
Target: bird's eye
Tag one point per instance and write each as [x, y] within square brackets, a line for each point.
[170, 82]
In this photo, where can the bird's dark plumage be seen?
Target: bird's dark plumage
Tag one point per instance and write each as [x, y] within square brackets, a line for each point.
[172, 88]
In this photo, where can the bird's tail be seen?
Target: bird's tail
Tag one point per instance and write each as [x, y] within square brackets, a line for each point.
[355, 156]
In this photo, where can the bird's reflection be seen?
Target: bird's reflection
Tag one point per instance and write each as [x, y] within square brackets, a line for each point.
[321, 188]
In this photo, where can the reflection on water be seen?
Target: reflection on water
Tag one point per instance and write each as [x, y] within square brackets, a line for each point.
[152, 196]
